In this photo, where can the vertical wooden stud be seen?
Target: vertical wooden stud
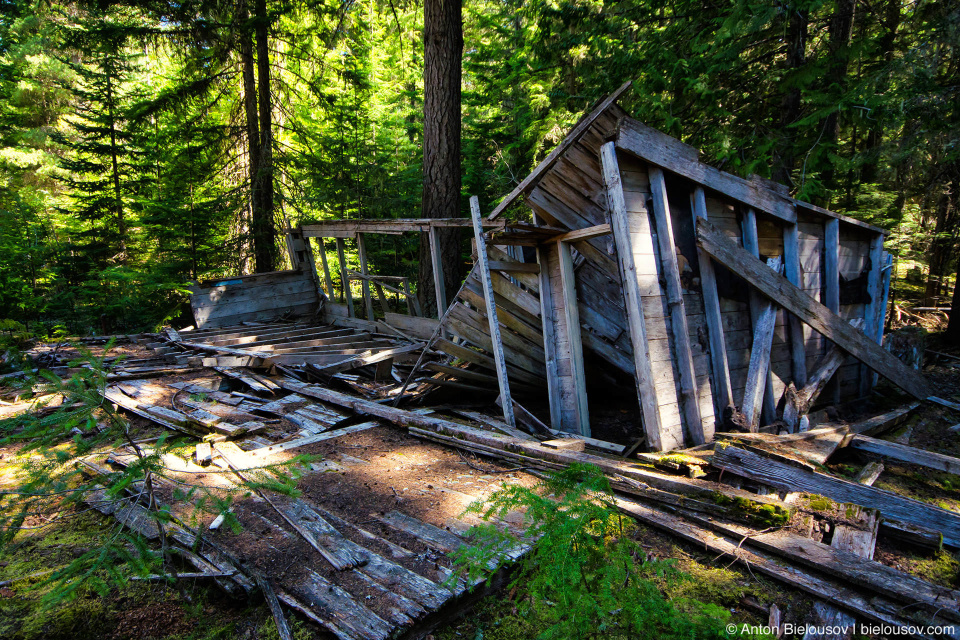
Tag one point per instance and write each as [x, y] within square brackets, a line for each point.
[791, 268]
[711, 307]
[871, 311]
[752, 244]
[547, 310]
[326, 268]
[646, 391]
[831, 282]
[345, 279]
[364, 283]
[572, 321]
[689, 398]
[494, 323]
[438, 281]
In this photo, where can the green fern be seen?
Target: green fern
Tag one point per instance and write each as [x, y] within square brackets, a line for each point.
[586, 576]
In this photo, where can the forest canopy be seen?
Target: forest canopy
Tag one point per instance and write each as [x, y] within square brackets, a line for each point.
[145, 145]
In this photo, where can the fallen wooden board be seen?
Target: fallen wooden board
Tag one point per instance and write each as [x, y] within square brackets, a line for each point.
[903, 453]
[826, 589]
[264, 452]
[859, 571]
[813, 313]
[786, 478]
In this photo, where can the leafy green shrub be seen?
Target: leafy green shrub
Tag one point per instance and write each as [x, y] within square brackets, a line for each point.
[586, 576]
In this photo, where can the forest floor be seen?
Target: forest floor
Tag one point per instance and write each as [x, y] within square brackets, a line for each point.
[199, 611]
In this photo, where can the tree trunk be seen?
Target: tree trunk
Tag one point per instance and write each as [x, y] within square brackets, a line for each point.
[253, 127]
[941, 248]
[790, 106]
[265, 244]
[443, 51]
[115, 169]
[840, 29]
[891, 24]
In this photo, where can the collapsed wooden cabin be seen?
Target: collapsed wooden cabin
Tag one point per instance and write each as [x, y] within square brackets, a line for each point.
[641, 273]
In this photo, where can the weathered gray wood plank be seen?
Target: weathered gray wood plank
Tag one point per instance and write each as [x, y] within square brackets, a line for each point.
[779, 289]
[643, 373]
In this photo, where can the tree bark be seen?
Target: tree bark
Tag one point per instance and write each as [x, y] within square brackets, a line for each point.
[265, 244]
[443, 52]
[253, 127]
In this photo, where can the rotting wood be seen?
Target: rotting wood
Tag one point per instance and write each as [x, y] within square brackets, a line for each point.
[873, 328]
[571, 317]
[759, 561]
[904, 453]
[787, 478]
[345, 279]
[780, 290]
[365, 283]
[283, 628]
[798, 403]
[689, 398]
[492, 320]
[582, 126]
[857, 570]
[870, 472]
[711, 304]
[759, 366]
[439, 284]
[791, 269]
[643, 373]
[751, 244]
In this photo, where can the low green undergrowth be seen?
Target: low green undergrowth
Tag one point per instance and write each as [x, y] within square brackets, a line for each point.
[587, 576]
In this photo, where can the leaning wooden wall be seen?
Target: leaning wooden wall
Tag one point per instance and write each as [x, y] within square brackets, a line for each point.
[258, 297]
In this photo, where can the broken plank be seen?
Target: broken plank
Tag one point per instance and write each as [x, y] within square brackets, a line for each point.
[302, 442]
[759, 366]
[426, 533]
[335, 609]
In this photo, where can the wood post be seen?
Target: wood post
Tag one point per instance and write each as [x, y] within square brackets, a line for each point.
[572, 322]
[872, 326]
[646, 391]
[345, 279]
[484, 273]
[365, 284]
[833, 327]
[683, 356]
[438, 282]
[548, 308]
[831, 280]
[723, 391]
[326, 268]
[759, 367]
[752, 244]
[791, 268]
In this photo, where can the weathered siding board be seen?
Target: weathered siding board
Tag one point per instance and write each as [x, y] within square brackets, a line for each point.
[254, 298]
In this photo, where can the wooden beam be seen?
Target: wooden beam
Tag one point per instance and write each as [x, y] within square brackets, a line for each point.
[585, 123]
[786, 477]
[873, 328]
[759, 366]
[831, 279]
[669, 153]
[511, 266]
[584, 234]
[751, 242]
[350, 228]
[791, 268]
[484, 273]
[616, 205]
[439, 284]
[572, 320]
[723, 392]
[548, 308]
[835, 328]
[365, 284]
[345, 279]
[903, 453]
[689, 397]
[326, 268]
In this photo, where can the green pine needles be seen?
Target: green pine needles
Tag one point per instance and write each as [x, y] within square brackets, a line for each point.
[586, 576]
